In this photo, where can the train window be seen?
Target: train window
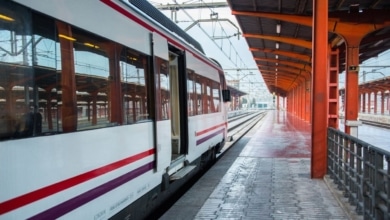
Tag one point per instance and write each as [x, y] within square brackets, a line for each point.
[199, 93]
[133, 67]
[216, 97]
[90, 58]
[58, 78]
[20, 82]
[46, 68]
[208, 97]
[163, 89]
[190, 93]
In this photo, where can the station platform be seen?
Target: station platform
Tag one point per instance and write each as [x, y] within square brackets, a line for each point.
[266, 175]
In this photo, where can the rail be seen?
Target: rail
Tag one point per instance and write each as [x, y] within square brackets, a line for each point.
[375, 123]
[361, 172]
[238, 128]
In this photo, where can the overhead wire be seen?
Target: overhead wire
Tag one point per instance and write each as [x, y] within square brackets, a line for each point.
[231, 46]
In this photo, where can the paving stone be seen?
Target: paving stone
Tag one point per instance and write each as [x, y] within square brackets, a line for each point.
[258, 185]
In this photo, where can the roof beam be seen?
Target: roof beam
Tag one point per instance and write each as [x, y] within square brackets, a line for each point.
[303, 57]
[287, 40]
[298, 19]
[338, 21]
[272, 74]
[293, 71]
[300, 66]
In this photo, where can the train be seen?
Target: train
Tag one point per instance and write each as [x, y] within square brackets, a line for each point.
[106, 109]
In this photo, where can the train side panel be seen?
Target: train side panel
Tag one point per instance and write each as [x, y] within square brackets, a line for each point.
[206, 130]
[71, 170]
[118, 150]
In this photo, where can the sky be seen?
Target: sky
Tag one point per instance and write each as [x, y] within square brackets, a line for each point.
[372, 69]
[221, 41]
[233, 52]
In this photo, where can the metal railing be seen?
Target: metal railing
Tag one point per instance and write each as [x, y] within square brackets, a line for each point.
[361, 172]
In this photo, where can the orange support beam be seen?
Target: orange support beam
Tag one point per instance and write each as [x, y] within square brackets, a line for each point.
[301, 66]
[302, 97]
[307, 100]
[364, 102]
[287, 40]
[302, 57]
[293, 71]
[319, 93]
[351, 83]
[369, 103]
[382, 102]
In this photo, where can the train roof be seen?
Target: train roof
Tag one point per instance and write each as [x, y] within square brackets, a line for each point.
[156, 15]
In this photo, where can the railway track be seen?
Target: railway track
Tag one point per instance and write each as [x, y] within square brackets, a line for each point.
[374, 123]
[239, 125]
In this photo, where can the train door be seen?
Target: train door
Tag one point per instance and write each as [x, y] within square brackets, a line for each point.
[178, 103]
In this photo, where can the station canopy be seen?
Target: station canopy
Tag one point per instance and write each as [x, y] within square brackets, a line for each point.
[279, 35]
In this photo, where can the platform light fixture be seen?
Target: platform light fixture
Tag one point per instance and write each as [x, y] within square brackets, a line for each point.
[341, 41]
[278, 28]
[277, 45]
[66, 37]
[276, 56]
[378, 42]
[91, 45]
[6, 18]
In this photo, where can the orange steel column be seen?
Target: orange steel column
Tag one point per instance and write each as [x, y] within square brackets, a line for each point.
[296, 94]
[364, 102]
[319, 93]
[287, 102]
[369, 103]
[299, 88]
[308, 101]
[303, 101]
[351, 83]
[291, 101]
[300, 98]
[296, 101]
[382, 102]
[375, 102]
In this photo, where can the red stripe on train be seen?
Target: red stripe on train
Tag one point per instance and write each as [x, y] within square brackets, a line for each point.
[121, 10]
[41, 193]
[210, 129]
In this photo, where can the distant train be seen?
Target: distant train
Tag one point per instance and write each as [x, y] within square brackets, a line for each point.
[106, 108]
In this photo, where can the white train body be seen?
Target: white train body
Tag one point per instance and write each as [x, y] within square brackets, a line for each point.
[85, 161]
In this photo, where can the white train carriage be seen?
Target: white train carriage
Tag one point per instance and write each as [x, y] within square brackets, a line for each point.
[104, 112]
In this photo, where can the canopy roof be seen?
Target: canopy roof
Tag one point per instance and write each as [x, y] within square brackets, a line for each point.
[288, 52]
